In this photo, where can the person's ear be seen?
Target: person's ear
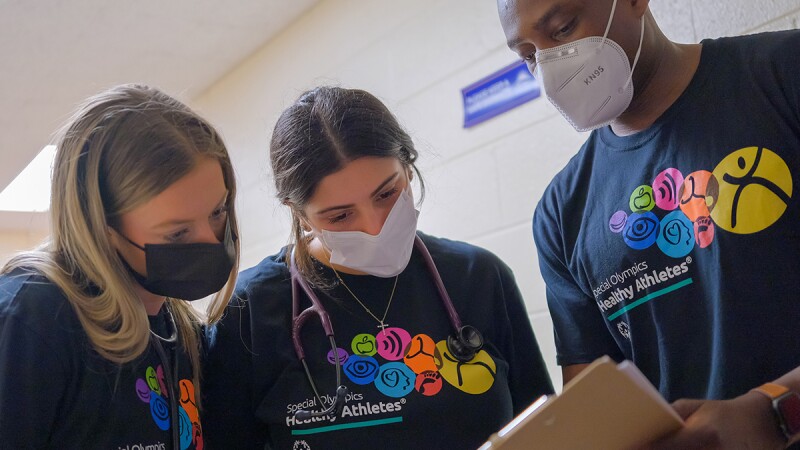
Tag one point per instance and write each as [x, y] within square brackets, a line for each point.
[113, 237]
[302, 221]
[640, 7]
[297, 215]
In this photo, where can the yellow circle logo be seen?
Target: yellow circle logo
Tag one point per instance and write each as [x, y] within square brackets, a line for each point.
[473, 377]
[755, 186]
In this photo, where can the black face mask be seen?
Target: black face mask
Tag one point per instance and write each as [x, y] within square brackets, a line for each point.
[186, 271]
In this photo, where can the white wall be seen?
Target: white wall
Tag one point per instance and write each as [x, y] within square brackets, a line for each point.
[416, 55]
[21, 231]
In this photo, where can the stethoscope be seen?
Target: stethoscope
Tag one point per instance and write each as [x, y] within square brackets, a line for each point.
[172, 373]
[463, 345]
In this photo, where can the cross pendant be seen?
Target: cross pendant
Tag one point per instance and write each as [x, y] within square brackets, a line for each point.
[383, 326]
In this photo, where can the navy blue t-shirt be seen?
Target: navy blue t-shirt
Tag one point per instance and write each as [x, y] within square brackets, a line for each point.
[678, 247]
[56, 391]
[405, 391]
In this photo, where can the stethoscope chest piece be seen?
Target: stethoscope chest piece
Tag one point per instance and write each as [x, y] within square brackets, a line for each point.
[465, 343]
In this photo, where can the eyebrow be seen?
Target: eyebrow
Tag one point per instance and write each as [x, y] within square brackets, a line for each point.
[374, 193]
[540, 24]
[172, 223]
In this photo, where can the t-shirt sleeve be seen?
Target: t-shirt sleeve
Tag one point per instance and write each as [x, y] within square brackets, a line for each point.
[228, 412]
[32, 385]
[581, 335]
[789, 65]
[528, 375]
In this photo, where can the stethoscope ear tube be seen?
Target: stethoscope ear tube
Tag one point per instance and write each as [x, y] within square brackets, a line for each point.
[172, 381]
[467, 340]
[455, 320]
[298, 320]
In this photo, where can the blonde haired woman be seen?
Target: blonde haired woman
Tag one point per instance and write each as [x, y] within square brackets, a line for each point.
[98, 345]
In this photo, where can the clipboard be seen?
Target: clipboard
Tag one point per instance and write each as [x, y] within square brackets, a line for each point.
[607, 406]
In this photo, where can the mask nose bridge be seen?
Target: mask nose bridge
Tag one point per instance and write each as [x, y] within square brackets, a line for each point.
[373, 220]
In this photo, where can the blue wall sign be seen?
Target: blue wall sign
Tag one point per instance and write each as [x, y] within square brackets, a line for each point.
[499, 92]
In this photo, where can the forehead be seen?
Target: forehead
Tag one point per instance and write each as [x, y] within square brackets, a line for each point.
[519, 16]
[533, 20]
[191, 197]
[515, 9]
[356, 180]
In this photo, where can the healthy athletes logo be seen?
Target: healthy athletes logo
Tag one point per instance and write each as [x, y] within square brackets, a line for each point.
[152, 390]
[746, 193]
[412, 363]
[754, 189]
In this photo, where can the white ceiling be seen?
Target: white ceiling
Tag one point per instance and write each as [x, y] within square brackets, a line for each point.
[54, 53]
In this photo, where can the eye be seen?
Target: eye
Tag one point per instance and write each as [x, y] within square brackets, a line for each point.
[387, 194]
[338, 218]
[177, 236]
[530, 61]
[565, 31]
[220, 213]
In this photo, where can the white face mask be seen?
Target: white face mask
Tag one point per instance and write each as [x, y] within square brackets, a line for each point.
[588, 80]
[383, 255]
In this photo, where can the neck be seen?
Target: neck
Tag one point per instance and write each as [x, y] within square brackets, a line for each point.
[663, 73]
[152, 302]
[323, 255]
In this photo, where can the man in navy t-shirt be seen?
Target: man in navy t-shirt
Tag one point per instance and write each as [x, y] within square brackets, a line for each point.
[671, 239]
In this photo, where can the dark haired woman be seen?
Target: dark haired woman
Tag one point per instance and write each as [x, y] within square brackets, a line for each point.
[432, 345]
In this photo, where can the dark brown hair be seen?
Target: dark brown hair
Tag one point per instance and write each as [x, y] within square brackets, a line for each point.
[326, 128]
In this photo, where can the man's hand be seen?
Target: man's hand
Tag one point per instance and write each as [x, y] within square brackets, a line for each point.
[745, 422]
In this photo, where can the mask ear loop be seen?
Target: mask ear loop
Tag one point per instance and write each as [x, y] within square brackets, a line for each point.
[638, 50]
[608, 25]
[635, 58]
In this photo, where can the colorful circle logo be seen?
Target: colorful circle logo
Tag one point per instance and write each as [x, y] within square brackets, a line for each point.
[641, 230]
[473, 377]
[676, 236]
[341, 355]
[428, 383]
[421, 355]
[159, 409]
[642, 199]
[698, 194]
[364, 345]
[703, 231]
[755, 187]
[617, 222]
[395, 379]
[392, 343]
[361, 369]
[665, 189]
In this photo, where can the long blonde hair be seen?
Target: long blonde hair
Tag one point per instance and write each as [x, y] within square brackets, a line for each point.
[121, 148]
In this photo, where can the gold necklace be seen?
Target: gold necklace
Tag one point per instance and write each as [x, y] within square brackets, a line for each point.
[381, 321]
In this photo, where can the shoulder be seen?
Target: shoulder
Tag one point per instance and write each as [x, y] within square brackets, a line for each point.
[570, 180]
[461, 256]
[29, 296]
[260, 293]
[265, 276]
[759, 50]
[774, 40]
[35, 312]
